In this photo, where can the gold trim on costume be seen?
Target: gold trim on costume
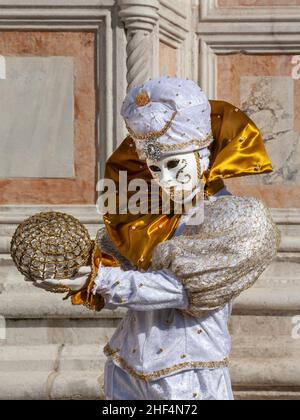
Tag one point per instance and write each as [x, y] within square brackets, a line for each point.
[85, 296]
[198, 165]
[152, 134]
[201, 143]
[109, 352]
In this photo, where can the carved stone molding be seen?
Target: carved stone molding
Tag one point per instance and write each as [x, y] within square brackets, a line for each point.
[140, 19]
[175, 32]
[79, 15]
[211, 12]
[240, 30]
[251, 38]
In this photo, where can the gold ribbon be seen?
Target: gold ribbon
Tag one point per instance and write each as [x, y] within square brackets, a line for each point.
[85, 295]
[238, 149]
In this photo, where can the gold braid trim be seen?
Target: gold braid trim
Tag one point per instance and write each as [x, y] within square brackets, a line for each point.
[109, 352]
[85, 296]
[200, 143]
[198, 165]
[152, 134]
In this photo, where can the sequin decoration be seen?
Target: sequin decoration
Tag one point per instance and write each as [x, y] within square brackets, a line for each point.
[152, 150]
[113, 353]
[219, 259]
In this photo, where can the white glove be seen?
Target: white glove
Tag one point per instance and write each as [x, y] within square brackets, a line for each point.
[74, 284]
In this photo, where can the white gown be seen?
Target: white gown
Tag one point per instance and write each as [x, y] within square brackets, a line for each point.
[157, 353]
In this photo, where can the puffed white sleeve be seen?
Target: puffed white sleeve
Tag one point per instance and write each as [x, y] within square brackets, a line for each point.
[141, 291]
[227, 254]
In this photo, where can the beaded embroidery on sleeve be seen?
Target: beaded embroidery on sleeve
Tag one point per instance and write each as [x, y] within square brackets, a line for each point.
[224, 256]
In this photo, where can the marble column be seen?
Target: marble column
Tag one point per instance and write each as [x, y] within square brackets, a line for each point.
[140, 19]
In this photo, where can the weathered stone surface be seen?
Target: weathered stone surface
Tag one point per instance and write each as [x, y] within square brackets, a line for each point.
[263, 85]
[17, 358]
[80, 48]
[39, 142]
[24, 386]
[78, 385]
[269, 101]
[258, 3]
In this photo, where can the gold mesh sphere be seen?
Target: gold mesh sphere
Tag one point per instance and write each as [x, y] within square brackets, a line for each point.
[51, 245]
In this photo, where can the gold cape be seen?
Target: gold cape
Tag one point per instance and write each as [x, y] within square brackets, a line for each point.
[238, 150]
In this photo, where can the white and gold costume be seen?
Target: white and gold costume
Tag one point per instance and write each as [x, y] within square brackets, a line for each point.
[174, 342]
[179, 281]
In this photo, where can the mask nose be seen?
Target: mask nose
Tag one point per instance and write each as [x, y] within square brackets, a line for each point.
[167, 179]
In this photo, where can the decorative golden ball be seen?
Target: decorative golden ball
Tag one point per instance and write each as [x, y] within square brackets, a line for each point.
[51, 245]
[142, 99]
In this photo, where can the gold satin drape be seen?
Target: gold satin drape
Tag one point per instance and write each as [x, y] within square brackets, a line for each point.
[238, 150]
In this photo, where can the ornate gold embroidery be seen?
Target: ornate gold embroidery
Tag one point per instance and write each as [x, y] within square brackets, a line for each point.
[226, 255]
[109, 352]
[200, 143]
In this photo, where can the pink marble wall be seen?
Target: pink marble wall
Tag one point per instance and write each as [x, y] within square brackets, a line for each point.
[232, 71]
[80, 190]
[232, 67]
[258, 3]
[168, 60]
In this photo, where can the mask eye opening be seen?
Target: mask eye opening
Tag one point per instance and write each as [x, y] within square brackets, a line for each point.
[154, 168]
[173, 163]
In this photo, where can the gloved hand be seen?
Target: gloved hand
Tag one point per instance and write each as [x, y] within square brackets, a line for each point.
[106, 278]
[61, 286]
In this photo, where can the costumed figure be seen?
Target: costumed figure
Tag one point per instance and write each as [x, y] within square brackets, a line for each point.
[177, 279]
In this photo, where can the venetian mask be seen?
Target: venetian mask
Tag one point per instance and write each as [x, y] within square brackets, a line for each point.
[178, 175]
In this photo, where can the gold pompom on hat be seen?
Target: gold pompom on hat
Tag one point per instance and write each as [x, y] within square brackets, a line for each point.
[166, 116]
[142, 99]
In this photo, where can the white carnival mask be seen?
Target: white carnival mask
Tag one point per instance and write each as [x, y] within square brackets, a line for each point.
[178, 175]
